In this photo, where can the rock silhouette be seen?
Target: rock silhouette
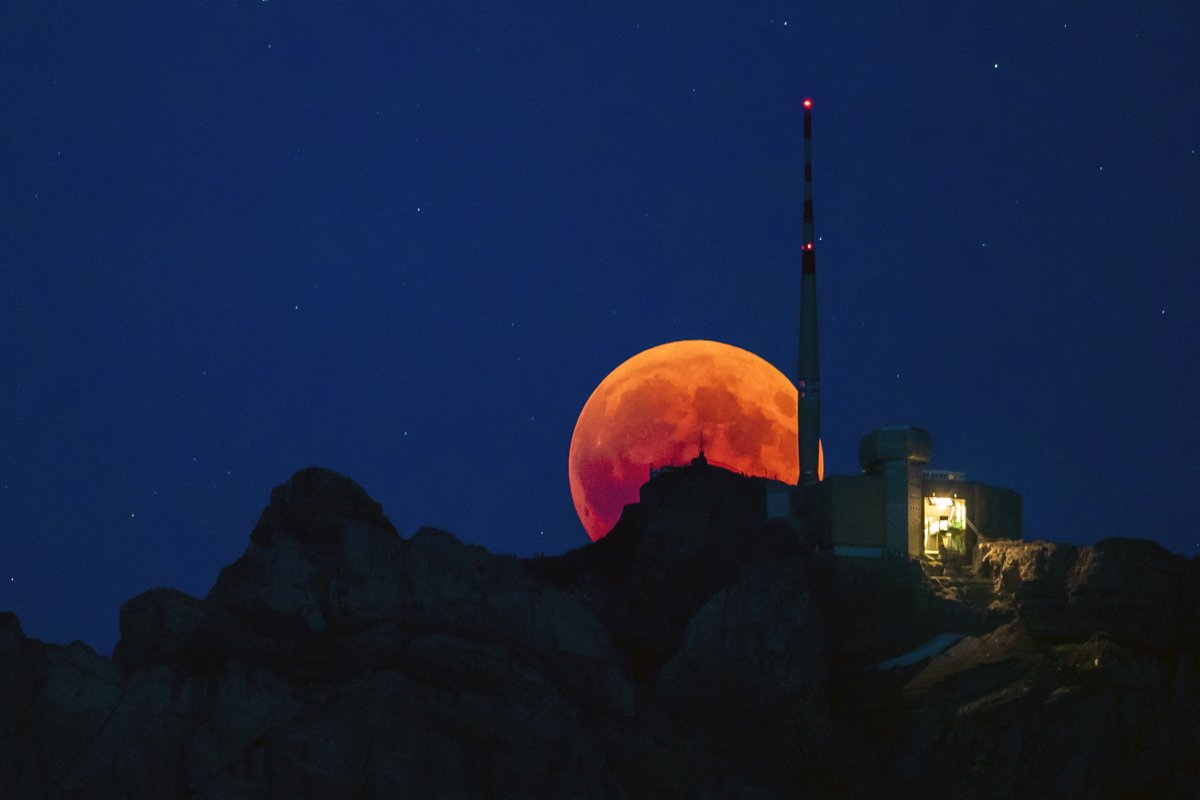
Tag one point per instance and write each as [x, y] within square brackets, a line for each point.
[696, 651]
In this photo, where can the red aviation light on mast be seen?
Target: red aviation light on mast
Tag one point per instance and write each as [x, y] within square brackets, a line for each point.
[808, 379]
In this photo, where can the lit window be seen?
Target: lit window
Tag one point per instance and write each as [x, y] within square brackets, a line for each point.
[945, 525]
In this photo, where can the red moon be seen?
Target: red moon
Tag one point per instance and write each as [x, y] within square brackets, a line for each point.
[652, 411]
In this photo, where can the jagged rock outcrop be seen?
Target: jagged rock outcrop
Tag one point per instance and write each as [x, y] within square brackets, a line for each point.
[332, 659]
[1132, 589]
[665, 558]
[697, 651]
[322, 554]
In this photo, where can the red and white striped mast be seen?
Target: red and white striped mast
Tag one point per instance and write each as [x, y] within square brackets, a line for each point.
[808, 378]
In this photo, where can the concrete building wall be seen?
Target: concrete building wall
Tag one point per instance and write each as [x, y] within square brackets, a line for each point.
[915, 512]
[855, 510]
[904, 507]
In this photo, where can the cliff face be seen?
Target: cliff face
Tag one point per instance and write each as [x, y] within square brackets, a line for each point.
[694, 652]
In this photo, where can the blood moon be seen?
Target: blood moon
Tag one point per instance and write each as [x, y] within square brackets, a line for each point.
[653, 409]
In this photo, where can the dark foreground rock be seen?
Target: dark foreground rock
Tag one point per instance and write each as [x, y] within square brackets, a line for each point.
[695, 652]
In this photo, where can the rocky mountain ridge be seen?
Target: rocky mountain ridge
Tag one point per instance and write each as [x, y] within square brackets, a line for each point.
[694, 652]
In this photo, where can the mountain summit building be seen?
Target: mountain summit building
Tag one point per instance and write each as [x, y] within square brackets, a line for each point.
[897, 506]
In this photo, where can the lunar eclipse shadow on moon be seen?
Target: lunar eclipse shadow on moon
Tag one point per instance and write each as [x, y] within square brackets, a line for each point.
[655, 408]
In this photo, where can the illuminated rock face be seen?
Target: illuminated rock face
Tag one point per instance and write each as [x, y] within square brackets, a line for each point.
[1132, 589]
[694, 651]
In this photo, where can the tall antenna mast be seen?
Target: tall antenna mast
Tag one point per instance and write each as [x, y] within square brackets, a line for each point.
[809, 374]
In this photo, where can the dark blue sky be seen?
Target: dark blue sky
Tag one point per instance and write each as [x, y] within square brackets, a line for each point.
[406, 240]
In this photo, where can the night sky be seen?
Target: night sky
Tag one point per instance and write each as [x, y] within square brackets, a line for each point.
[405, 241]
